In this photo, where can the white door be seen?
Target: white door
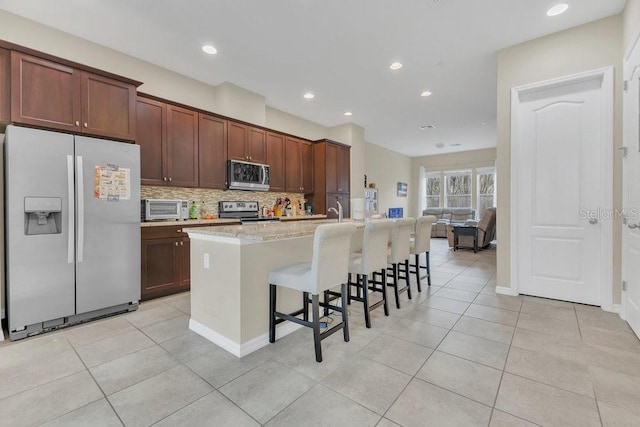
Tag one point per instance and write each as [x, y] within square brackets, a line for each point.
[631, 230]
[561, 137]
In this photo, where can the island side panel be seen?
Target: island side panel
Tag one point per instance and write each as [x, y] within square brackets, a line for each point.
[257, 261]
[215, 291]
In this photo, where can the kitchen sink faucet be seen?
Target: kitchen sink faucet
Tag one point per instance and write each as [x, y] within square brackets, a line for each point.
[338, 212]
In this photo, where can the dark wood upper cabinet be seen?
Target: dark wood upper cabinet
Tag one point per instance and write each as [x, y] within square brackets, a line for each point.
[53, 95]
[168, 139]
[293, 161]
[45, 93]
[5, 85]
[212, 152]
[246, 143]
[331, 171]
[306, 161]
[182, 146]
[151, 128]
[276, 161]
[108, 107]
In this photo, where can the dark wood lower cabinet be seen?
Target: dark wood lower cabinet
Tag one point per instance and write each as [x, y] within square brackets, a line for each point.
[165, 261]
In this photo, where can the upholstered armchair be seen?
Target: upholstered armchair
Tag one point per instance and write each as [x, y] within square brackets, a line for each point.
[486, 231]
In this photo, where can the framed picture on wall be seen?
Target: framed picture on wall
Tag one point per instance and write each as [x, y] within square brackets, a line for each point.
[402, 189]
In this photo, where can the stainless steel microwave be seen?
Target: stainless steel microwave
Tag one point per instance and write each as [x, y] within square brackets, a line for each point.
[247, 176]
[154, 209]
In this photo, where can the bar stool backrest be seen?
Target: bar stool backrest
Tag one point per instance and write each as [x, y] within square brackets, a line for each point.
[423, 234]
[331, 252]
[400, 236]
[374, 245]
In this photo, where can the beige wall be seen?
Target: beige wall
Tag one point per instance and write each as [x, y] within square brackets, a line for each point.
[587, 47]
[386, 168]
[630, 21]
[285, 122]
[239, 103]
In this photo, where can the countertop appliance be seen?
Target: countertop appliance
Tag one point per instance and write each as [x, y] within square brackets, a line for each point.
[247, 176]
[155, 209]
[247, 212]
[72, 229]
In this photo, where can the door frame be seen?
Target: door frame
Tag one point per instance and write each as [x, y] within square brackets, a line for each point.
[606, 249]
[630, 67]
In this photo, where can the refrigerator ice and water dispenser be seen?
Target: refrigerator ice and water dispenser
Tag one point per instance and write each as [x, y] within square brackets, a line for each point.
[42, 215]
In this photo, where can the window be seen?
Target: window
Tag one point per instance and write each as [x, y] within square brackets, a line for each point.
[458, 189]
[486, 190]
[433, 190]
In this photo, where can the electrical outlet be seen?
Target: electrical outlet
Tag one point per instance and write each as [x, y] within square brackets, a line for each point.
[206, 260]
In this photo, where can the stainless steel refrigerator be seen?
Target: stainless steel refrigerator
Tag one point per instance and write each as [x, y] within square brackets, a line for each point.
[370, 202]
[72, 229]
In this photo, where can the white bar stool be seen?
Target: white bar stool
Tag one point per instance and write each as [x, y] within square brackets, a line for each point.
[422, 244]
[373, 258]
[327, 269]
[398, 256]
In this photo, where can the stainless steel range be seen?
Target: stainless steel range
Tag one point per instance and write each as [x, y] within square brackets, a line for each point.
[247, 212]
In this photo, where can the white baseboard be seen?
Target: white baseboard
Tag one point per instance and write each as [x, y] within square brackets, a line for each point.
[241, 350]
[616, 308]
[503, 290]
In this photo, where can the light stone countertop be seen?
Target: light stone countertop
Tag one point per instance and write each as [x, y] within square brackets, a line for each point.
[223, 221]
[264, 231]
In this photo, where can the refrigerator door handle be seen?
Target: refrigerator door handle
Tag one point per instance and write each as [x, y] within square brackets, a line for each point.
[71, 211]
[80, 177]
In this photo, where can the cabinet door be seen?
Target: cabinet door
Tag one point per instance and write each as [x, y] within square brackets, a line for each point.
[344, 170]
[344, 199]
[160, 267]
[306, 158]
[182, 146]
[185, 264]
[236, 140]
[293, 175]
[275, 160]
[332, 168]
[108, 107]
[5, 85]
[256, 145]
[151, 128]
[44, 93]
[212, 152]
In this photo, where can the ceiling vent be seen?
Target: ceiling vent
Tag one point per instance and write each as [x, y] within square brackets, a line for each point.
[438, 2]
[440, 145]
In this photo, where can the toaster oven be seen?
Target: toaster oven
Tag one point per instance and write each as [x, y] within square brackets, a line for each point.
[155, 209]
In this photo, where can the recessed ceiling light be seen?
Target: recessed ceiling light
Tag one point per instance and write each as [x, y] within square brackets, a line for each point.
[348, 113]
[484, 124]
[395, 66]
[557, 9]
[308, 95]
[209, 49]
[425, 93]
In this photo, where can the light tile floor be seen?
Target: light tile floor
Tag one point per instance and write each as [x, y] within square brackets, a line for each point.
[455, 355]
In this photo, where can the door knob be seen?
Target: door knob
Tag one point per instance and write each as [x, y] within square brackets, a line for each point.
[632, 226]
[593, 221]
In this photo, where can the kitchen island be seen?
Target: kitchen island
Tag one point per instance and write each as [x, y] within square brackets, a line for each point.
[229, 288]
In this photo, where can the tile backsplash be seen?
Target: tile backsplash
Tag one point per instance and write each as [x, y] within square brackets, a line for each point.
[210, 198]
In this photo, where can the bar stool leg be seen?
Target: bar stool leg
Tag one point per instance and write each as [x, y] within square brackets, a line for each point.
[315, 308]
[362, 279]
[406, 277]
[418, 272]
[345, 318]
[428, 270]
[395, 268]
[384, 292]
[305, 306]
[272, 313]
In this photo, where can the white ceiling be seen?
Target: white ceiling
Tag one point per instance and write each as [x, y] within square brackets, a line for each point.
[338, 49]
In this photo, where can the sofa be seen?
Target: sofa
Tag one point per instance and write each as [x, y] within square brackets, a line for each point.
[486, 231]
[446, 216]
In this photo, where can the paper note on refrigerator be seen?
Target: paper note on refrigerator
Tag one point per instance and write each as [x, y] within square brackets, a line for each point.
[111, 183]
